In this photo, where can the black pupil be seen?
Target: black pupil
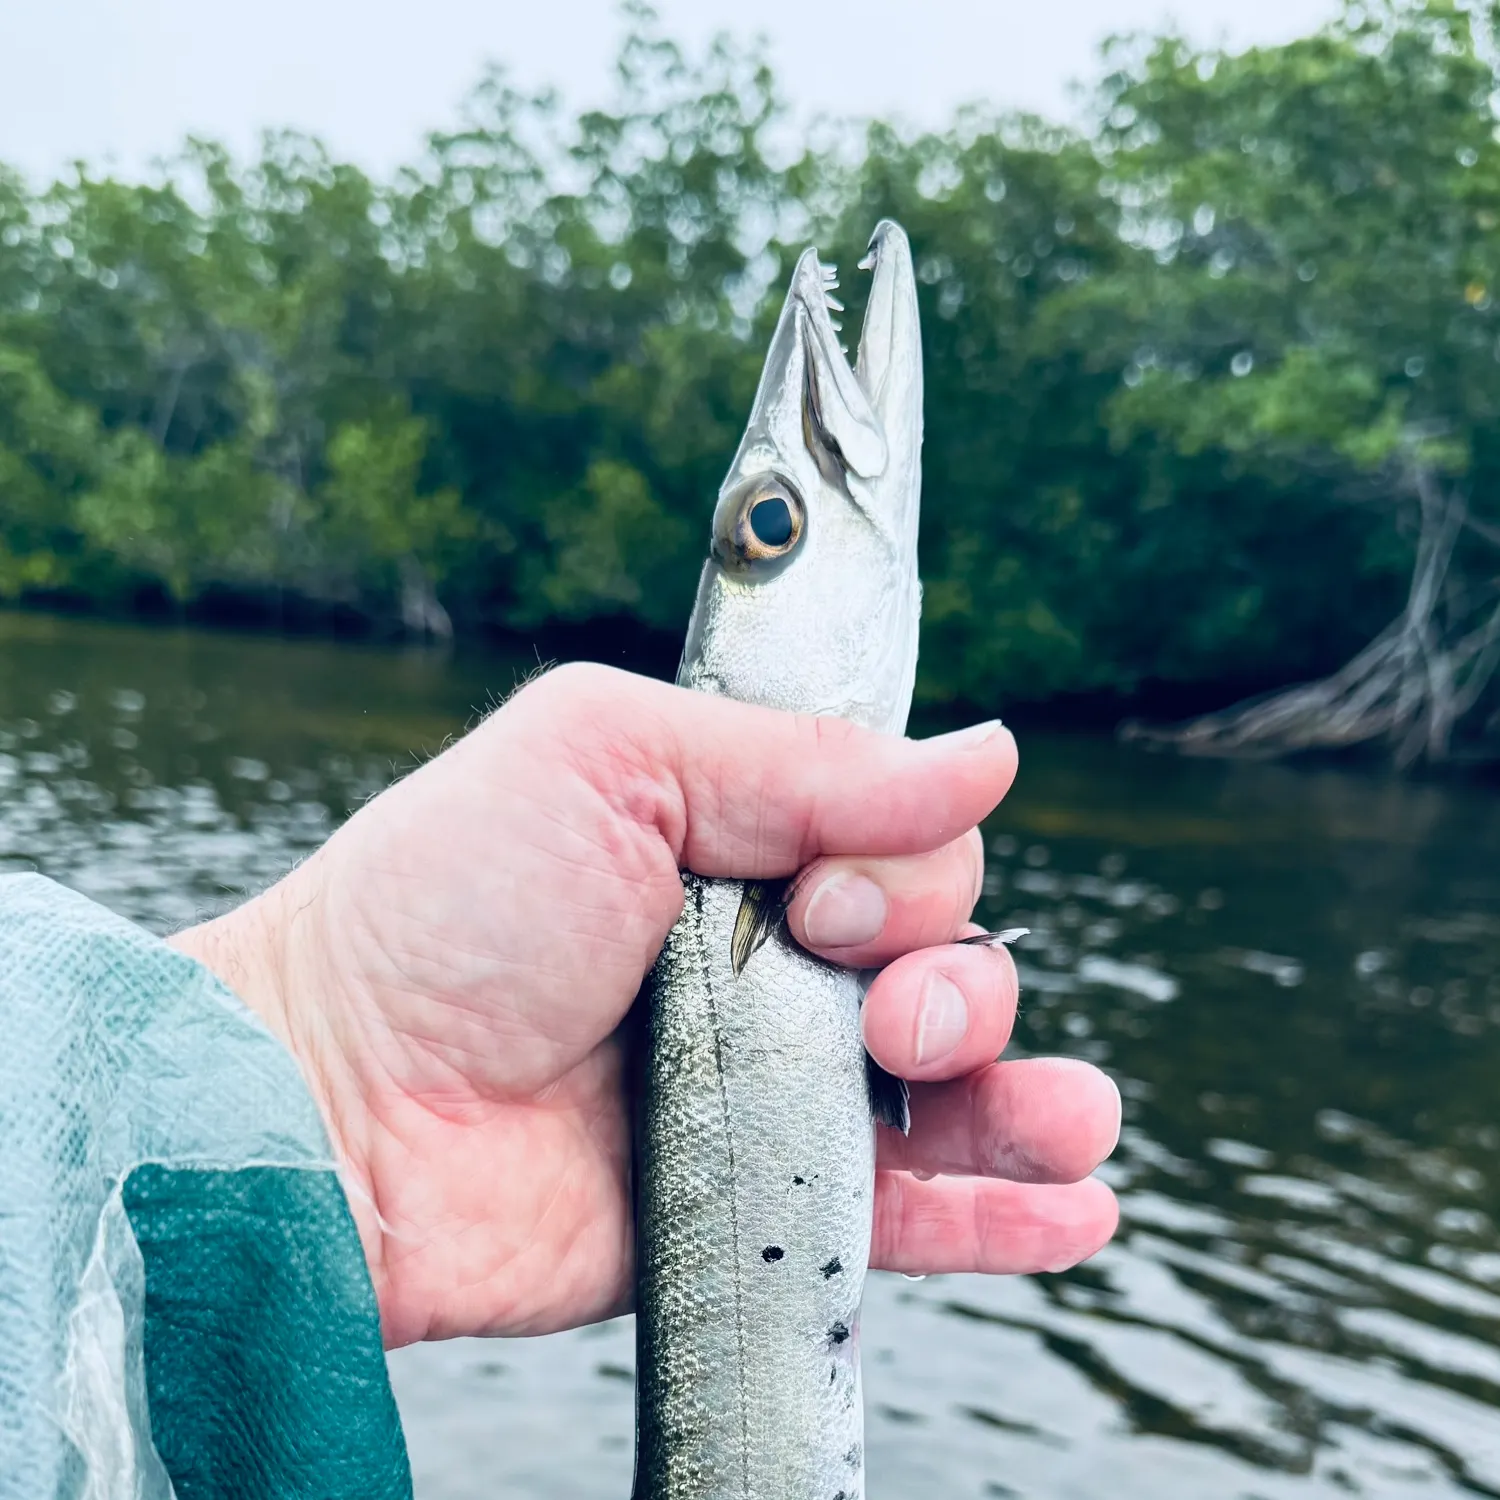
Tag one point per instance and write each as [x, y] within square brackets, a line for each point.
[771, 521]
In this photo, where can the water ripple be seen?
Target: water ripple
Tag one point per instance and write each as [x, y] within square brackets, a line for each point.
[1295, 979]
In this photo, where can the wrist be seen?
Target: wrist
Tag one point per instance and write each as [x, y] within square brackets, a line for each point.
[244, 950]
[267, 952]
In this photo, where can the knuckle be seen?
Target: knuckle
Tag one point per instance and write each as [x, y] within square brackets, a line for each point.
[573, 683]
[827, 733]
[568, 709]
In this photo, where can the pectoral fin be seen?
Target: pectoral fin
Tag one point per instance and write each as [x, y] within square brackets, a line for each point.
[890, 1099]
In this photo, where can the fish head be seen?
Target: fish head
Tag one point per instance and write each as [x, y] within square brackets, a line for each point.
[810, 600]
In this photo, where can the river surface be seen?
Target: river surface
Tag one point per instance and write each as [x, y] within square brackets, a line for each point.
[1294, 974]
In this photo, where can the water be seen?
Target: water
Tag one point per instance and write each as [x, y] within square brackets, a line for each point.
[1294, 974]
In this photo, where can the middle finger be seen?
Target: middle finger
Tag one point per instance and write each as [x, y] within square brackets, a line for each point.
[1039, 1120]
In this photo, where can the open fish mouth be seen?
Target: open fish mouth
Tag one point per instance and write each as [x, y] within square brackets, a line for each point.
[809, 599]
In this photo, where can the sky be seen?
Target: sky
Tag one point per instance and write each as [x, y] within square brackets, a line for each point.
[119, 82]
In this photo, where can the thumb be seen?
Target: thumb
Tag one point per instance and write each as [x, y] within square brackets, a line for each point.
[741, 791]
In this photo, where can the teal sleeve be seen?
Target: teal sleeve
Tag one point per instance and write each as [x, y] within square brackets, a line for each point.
[185, 1308]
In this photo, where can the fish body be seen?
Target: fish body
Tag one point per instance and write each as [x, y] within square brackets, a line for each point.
[754, 1266]
[755, 1124]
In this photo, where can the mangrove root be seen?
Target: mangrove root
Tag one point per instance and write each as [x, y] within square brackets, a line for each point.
[1419, 686]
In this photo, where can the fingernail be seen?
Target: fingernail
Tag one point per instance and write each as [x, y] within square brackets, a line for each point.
[846, 911]
[966, 740]
[1119, 1113]
[942, 1018]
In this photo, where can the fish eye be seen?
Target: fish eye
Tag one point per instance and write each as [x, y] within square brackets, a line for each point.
[771, 521]
[758, 525]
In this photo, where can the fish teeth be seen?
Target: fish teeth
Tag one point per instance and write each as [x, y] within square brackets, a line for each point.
[830, 286]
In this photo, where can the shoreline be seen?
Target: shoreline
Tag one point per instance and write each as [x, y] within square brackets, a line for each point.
[625, 643]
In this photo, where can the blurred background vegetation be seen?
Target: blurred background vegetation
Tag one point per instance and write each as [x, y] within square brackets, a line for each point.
[1195, 376]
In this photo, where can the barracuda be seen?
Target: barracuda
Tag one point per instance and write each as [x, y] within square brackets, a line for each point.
[755, 1139]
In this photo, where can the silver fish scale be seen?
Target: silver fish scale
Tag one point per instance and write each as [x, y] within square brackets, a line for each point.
[755, 1211]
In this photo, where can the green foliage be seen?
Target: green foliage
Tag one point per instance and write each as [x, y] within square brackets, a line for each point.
[1179, 373]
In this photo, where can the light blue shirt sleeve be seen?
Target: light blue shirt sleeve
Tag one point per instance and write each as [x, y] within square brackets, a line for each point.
[185, 1307]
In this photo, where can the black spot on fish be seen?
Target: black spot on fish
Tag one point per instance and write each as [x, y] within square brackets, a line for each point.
[771, 1254]
[833, 1374]
[853, 1456]
[799, 1182]
[838, 1333]
[841, 1496]
[832, 1269]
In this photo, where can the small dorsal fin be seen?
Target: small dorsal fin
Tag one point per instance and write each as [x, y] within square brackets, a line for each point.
[763, 908]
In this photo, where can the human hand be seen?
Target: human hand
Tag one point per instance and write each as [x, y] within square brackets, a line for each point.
[452, 967]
